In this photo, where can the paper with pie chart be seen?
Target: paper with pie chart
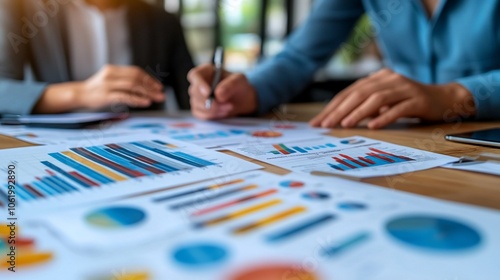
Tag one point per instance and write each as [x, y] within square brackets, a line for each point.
[355, 156]
[252, 224]
[58, 176]
[215, 134]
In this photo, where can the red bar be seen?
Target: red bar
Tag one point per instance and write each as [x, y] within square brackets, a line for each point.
[128, 171]
[281, 150]
[381, 157]
[354, 160]
[86, 180]
[367, 160]
[50, 172]
[344, 163]
[33, 190]
[386, 153]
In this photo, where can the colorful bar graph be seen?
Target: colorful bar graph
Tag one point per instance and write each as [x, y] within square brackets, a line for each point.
[373, 158]
[238, 214]
[85, 168]
[198, 190]
[234, 202]
[285, 150]
[270, 220]
[209, 198]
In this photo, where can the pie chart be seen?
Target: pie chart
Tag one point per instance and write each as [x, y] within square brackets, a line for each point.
[200, 254]
[292, 184]
[434, 233]
[316, 196]
[116, 217]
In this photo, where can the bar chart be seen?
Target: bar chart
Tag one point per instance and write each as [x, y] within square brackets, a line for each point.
[282, 149]
[374, 158]
[115, 168]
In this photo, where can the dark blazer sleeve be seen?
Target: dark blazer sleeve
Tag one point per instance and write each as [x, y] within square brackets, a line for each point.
[179, 59]
[16, 96]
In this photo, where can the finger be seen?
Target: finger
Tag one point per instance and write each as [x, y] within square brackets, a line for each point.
[403, 109]
[233, 85]
[128, 99]
[217, 111]
[358, 96]
[372, 106]
[200, 78]
[131, 87]
[138, 76]
[375, 80]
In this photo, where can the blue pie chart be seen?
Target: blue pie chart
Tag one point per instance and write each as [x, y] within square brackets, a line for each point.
[434, 233]
[200, 254]
[115, 217]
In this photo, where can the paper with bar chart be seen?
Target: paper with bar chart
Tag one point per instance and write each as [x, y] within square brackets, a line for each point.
[355, 156]
[214, 134]
[63, 175]
[250, 223]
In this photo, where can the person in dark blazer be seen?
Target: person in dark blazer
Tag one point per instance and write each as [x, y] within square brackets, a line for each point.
[89, 55]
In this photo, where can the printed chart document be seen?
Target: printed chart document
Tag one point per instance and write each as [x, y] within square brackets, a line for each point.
[355, 156]
[249, 225]
[214, 134]
[209, 134]
[57, 176]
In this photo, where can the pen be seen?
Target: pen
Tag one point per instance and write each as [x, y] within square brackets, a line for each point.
[218, 63]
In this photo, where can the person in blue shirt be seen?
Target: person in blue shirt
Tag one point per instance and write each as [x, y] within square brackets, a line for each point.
[441, 56]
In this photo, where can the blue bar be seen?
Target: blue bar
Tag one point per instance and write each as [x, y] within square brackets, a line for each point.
[162, 161]
[57, 183]
[161, 143]
[82, 168]
[66, 174]
[292, 231]
[118, 160]
[330, 145]
[121, 152]
[300, 150]
[26, 190]
[50, 185]
[22, 193]
[345, 245]
[96, 158]
[65, 184]
[169, 155]
[41, 187]
[307, 148]
[195, 159]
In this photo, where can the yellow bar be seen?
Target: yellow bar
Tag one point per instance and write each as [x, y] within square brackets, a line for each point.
[125, 276]
[28, 259]
[237, 181]
[95, 167]
[243, 212]
[270, 220]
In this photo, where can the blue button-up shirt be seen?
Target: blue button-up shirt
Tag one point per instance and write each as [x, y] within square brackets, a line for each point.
[460, 43]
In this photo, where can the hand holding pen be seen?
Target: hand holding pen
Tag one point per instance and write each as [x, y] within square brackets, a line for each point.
[216, 93]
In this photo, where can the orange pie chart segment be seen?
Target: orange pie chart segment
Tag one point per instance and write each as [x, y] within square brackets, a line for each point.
[275, 272]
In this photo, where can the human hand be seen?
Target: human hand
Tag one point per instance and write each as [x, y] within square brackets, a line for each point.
[127, 85]
[233, 96]
[388, 96]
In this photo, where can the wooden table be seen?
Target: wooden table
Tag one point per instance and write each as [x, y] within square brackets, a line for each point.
[466, 187]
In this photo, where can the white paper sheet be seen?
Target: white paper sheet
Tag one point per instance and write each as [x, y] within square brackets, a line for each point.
[53, 177]
[354, 156]
[488, 167]
[213, 134]
[339, 229]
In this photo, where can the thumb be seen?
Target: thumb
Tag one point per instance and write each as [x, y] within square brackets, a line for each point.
[231, 86]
